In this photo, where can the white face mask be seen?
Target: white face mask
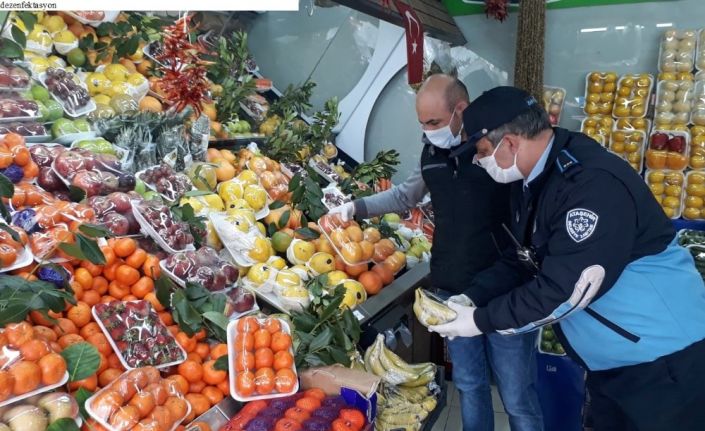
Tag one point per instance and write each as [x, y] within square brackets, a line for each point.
[443, 137]
[501, 175]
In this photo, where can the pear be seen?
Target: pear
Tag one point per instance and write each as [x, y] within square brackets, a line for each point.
[26, 418]
[59, 405]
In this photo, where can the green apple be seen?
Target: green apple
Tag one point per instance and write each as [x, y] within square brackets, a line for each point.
[63, 126]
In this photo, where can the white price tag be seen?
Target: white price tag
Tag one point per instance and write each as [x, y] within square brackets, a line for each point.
[358, 315]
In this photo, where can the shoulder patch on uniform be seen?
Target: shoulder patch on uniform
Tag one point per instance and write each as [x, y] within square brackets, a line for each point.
[580, 224]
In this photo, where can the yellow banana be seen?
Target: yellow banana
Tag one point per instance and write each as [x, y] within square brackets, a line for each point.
[395, 375]
[423, 379]
[375, 365]
[430, 311]
[411, 368]
[429, 404]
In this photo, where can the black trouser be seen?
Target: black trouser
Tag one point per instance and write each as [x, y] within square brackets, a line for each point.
[667, 394]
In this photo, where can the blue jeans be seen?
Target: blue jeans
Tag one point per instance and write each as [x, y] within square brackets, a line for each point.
[512, 359]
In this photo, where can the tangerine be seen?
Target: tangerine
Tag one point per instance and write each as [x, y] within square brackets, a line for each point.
[371, 281]
[100, 284]
[264, 358]
[285, 380]
[127, 275]
[191, 370]
[109, 255]
[262, 338]
[196, 388]
[144, 402]
[124, 418]
[83, 277]
[315, 393]
[177, 406]
[100, 342]
[224, 387]
[89, 329]
[90, 383]
[26, 377]
[385, 273]
[152, 298]
[19, 333]
[33, 350]
[69, 339]
[151, 267]
[142, 287]
[287, 424]
[272, 325]
[264, 381]
[188, 343]
[281, 341]
[159, 392]
[213, 394]
[245, 383]
[199, 403]
[298, 414]
[52, 367]
[354, 416]
[202, 350]
[220, 350]
[212, 376]
[283, 359]
[93, 269]
[137, 258]
[243, 341]
[44, 333]
[108, 376]
[118, 290]
[244, 361]
[177, 384]
[7, 383]
[162, 417]
[106, 403]
[80, 314]
[124, 247]
[92, 297]
[247, 324]
[308, 403]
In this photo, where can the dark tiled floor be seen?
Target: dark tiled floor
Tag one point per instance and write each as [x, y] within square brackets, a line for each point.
[450, 416]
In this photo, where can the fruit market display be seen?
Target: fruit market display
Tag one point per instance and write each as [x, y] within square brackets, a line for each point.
[630, 146]
[677, 51]
[600, 90]
[598, 128]
[633, 93]
[693, 203]
[674, 100]
[134, 256]
[667, 150]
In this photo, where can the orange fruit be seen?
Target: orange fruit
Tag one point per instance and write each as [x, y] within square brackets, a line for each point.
[89, 329]
[245, 383]
[212, 376]
[39, 319]
[188, 343]
[125, 387]
[264, 358]
[213, 394]
[151, 267]
[103, 364]
[93, 269]
[159, 391]
[142, 287]
[285, 380]
[200, 335]
[371, 281]
[64, 326]
[162, 416]
[354, 416]
[7, 383]
[144, 402]
[118, 290]
[100, 284]
[80, 314]
[355, 270]
[385, 273]
[297, 414]
[124, 418]
[177, 406]
[110, 271]
[114, 361]
[243, 341]
[152, 298]
[153, 375]
[224, 387]
[202, 350]
[106, 403]
[192, 371]
[84, 278]
[33, 350]
[89, 383]
[247, 324]
[283, 359]
[281, 341]
[197, 387]
[109, 255]
[92, 297]
[19, 333]
[101, 343]
[264, 381]
[194, 357]
[127, 275]
[262, 338]
[44, 333]
[124, 247]
[199, 403]
[137, 258]
[272, 325]
[139, 377]
[244, 361]
[315, 393]
[77, 290]
[166, 318]
[69, 339]
[177, 383]
[107, 298]
[308, 403]
[108, 376]
[52, 368]
[27, 376]
[219, 350]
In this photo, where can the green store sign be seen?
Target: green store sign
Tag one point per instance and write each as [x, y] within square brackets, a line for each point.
[472, 7]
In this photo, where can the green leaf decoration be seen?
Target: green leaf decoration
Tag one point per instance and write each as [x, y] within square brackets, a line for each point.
[218, 318]
[29, 20]
[7, 189]
[76, 194]
[18, 36]
[13, 233]
[72, 250]
[196, 193]
[339, 356]
[63, 424]
[322, 340]
[81, 396]
[222, 363]
[90, 249]
[82, 360]
[10, 49]
[276, 205]
[307, 233]
[164, 286]
[284, 220]
[95, 231]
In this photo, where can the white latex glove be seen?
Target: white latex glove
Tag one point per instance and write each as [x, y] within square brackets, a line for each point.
[461, 299]
[462, 326]
[346, 211]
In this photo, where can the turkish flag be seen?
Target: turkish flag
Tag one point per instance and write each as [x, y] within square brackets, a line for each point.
[414, 41]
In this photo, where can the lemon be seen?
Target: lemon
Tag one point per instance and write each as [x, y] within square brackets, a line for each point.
[116, 72]
[231, 190]
[276, 262]
[120, 88]
[65, 36]
[40, 64]
[40, 37]
[96, 83]
[54, 23]
[248, 177]
[336, 277]
[102, 99]
[256, 196]
[259, 273]
[136, 79]
[288, 278]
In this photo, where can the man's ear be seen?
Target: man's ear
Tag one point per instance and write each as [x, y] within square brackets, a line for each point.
[512, 141]
[460, 107]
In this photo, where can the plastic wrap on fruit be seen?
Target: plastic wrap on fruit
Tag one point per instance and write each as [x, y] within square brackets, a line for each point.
[260, 277]
[53, 274]
[26, 418]
[18, 108]
[239, 301]
[13, 172]
[44, 243]
[26, 219]
[430, 310]
[58, 405]
[295, 298]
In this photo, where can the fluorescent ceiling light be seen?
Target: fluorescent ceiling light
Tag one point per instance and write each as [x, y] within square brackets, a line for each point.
[593, 30]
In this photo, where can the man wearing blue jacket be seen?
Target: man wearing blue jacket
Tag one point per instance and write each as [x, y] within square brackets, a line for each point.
[596, 256]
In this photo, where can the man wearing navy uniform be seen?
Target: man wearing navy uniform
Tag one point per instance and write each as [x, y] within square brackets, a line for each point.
[595, 255]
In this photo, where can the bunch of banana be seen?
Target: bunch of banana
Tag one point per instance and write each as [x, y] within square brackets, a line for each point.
[430, 312]
[403, 408]
[394, 370]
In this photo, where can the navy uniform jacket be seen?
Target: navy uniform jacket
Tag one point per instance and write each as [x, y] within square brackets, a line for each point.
[610, 272]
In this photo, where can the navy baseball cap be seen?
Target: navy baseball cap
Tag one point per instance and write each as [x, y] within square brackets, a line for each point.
[493, 109]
